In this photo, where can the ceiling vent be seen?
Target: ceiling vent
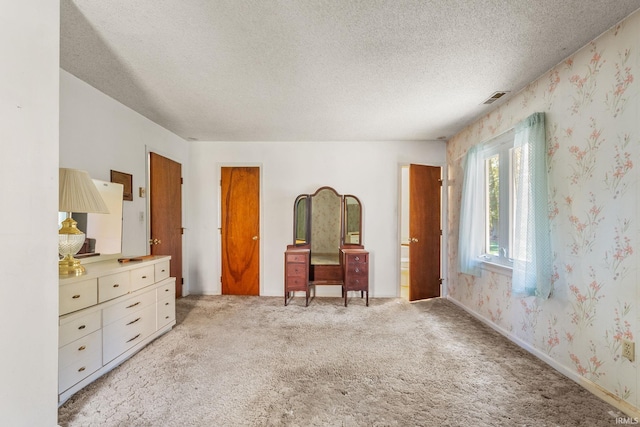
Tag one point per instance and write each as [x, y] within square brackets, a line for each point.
[493, 98]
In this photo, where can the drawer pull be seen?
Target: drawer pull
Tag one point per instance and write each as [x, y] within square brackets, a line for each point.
[116, 285]
[166, 317]
[133, 321]
[163, 270]
[82, 348]
[82, 369]
[144, 277]
[357, 258]
[166, 290]
[166, 303]
[75, 296]
[82, 326]
[357, 270]
[133, 305]
[133, 338]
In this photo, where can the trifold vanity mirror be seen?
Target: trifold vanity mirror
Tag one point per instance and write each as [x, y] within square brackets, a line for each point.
[327, 228]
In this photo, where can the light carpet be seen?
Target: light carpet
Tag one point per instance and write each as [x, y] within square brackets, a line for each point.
[251, 361]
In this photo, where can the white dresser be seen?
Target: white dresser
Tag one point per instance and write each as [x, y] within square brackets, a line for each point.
[108, 314]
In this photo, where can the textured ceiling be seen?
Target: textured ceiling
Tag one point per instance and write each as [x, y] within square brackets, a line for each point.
[320, 70]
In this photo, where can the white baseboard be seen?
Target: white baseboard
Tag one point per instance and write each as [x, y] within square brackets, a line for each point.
[589, 385]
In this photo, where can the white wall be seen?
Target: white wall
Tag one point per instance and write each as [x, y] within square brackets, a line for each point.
[368, 170]
[98, 134]
[29, 40]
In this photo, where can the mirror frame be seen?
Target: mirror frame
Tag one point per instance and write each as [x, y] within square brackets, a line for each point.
[114, 199]
[344, 221]
[308, 216]
[341, 201]
[307, 219]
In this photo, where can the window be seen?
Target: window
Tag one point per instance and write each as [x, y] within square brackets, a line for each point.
[499, 193]
[504, 208]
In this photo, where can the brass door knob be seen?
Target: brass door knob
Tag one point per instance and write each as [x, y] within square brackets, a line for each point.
[255, 237]
[413, 240]
[155, 241]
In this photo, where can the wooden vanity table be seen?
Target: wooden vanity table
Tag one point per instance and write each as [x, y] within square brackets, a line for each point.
[327, 248]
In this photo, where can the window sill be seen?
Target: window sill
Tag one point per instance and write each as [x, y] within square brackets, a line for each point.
[489, 265]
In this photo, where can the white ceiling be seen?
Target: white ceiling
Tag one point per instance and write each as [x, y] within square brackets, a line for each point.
[320, 70]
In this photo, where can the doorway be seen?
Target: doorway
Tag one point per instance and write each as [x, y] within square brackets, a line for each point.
[240, 230]
[420, 232]
[165, 213]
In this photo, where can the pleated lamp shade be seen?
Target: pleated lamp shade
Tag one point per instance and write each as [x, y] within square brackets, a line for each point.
[78, 193]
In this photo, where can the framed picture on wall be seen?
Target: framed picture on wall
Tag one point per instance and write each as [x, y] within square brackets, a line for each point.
[126, 180]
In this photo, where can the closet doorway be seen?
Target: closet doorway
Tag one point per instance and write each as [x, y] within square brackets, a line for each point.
[240, 230]
[421, 232]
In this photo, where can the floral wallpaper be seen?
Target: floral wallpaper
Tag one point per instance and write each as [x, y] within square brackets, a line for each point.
[593, 134]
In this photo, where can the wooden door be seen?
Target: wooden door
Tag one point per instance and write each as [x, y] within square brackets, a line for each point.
[240, 230]
[165, 201]
[425, 187]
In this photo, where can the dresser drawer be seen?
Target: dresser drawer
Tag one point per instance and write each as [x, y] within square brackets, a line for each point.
[113, 286]
[128, 331]
[142, 277]
[166, 311]
[356, 283]
[166, 290]
[78, 295]
[296, 270]
[80, 349]
[296, 258]
[161, 270]
[78, 370]
[357, 258]
[296, 284]
[127, 306]
[78, 327]
[357, 269]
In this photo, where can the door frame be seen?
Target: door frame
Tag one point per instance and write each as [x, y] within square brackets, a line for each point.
[444, 200]
[218, 187]
[185, 247]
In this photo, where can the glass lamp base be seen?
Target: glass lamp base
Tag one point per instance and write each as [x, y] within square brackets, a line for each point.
[70, 240]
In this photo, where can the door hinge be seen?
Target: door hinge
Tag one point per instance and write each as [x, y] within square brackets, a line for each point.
[181, 180]
[182, 280]
[441, 280]
[441, 232]
[182, 230]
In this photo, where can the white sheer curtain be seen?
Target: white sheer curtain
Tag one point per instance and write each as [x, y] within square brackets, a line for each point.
[531, 244]
[470, 232]
[531, 251]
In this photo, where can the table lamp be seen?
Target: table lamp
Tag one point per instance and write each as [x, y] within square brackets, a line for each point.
[77, 193]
